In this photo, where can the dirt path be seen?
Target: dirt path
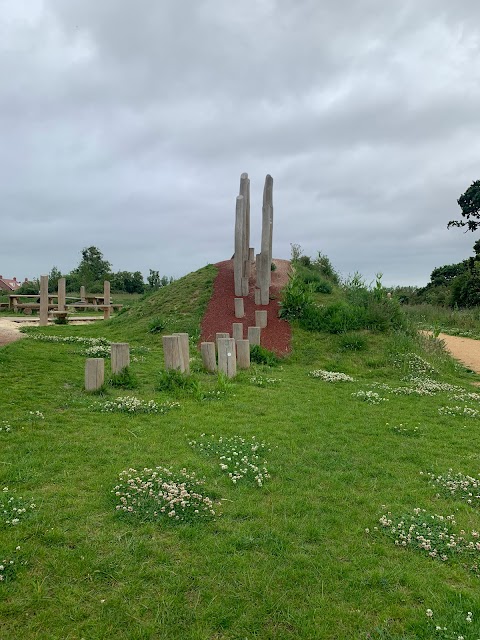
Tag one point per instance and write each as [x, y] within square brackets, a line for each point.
[9, 331]
[464, 349]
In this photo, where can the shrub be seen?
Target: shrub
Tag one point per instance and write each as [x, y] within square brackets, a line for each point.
[260, 355]
[352, 342]
[157, 325]
[173, 381]
[296, 298]
[125, 379]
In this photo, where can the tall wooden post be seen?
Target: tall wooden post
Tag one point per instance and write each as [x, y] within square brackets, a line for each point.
[43, 321]
[227, 359]
[61, 291]
[107, 309]
[83, 294]
[261, 318]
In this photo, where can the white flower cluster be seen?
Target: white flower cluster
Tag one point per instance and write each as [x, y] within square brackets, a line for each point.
[415, 364]
[446, 633]
[161, 493]
[464, 412]
[7, 568]
[405, 430]
[5, 427]
[36, 415]
[331, 376]
[98, 351]
[263, 381]
[457, 485]
[131, 404]
[12, 508]
[432, 533]
[91, 342]
[369, 396]
[237, 457]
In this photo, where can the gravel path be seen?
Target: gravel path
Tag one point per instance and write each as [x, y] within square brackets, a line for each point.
[220, 313]
[9, 331]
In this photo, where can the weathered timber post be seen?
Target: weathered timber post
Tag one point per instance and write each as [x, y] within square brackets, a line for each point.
[245, 192]
[261, 319]
[209, 361]
[107, 309]
[254, 335]
[94, 373]
[220, 335]
[237, 331]
[185, 349]
[245, 286]
[251, 255]
[61, 291]
[120, 356]
[238, 257]
[258, 296]
[43, 321]
[172, 353]
[243, 354]
[265, 257]
[227, 359]
[83, 294]
[239, 308]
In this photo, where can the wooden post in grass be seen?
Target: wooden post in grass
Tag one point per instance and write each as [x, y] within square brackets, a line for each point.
[83, 294]
[172, 353]
[254, 335]
[243, 354]
[209, 361]
[239, 308]
[120, 356]
[261, 319]
[43, 321]
[220, 335]
[227, 359]
[258, 296]
[94, 373]
[237, 331]
[107, 309]
[185, 350]
[61, 291]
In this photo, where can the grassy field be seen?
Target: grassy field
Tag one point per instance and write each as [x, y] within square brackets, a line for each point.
[303, 556]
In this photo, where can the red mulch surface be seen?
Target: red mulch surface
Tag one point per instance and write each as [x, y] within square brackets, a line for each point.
[220, 313]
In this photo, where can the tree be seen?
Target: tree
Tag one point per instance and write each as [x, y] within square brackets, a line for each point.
[126, 281]
[470, 205]
[92, 267]
[53, 278]
[153, 279]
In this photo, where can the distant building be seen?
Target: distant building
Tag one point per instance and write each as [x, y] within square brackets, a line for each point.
[10, 284]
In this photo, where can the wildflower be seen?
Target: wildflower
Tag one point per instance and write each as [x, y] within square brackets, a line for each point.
[429, 613]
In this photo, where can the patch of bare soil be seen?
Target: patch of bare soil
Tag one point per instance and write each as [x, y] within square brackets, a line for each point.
[466, 350]
[220, 313]
[9, 331]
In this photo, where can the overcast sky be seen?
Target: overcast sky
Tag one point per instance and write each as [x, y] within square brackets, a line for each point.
[126, 125]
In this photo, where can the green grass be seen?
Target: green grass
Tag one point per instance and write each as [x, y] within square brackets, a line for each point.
[290, 560]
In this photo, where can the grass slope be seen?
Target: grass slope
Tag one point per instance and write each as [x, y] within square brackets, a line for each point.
[289, 560]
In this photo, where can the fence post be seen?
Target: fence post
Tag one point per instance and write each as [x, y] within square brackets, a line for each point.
[207, 350]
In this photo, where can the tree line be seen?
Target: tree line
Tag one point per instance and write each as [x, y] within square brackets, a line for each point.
[91, 272]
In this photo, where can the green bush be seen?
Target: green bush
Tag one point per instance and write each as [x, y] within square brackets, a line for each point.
[173, 381]
[124, 380]
[260, 355]
[157, 325]
[297, 297]
[352, 342]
